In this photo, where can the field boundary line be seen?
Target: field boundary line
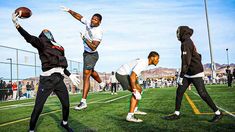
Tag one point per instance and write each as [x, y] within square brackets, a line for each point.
[219, 107]
[54, 111]
[193, 106]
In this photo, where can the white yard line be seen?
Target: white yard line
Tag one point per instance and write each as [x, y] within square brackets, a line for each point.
[219, 107]
[24, 119]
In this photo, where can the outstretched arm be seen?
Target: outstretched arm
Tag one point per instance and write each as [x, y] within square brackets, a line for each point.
[33, 40]
[73, 13]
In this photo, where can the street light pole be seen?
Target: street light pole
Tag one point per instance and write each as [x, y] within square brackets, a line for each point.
[211, 55]
[227, 56]
[10, 68]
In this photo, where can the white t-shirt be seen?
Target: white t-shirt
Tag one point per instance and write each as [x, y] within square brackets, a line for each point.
[91, 33]
[201, 74]
[113, 79]
[137, 66]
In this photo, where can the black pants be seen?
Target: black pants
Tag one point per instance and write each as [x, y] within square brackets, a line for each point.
[230, 80]
[200, 87]
[53, 83]
[114, 87]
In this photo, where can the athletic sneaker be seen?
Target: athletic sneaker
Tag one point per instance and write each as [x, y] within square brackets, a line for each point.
[133, 119]
[66, 127]
[216, 118]
[81, 106]
[171, 117]
[140, 112]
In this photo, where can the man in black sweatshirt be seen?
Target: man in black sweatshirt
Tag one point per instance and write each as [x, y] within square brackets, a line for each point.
[54, 66]
[191, 72]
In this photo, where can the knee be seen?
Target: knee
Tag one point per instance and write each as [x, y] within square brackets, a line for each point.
[87, 73]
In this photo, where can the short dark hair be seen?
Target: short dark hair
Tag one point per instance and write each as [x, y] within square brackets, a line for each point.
[153, 54]
[98, 15]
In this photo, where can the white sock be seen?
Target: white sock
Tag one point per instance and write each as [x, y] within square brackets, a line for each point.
[217, 112]
[177, 112]
[83, 100]
[136, 108]
[31, 130]
[130, 115]
[65, 122]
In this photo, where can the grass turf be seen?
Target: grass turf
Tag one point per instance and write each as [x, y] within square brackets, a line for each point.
[102, 115]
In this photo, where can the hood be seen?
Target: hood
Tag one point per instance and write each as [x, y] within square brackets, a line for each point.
[46, 35]
[184, 32]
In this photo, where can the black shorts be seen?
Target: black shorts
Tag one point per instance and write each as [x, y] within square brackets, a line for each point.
[89, 60]
[124, 81]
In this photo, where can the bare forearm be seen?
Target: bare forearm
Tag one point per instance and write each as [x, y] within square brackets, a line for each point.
[76, 15]
[91, 45]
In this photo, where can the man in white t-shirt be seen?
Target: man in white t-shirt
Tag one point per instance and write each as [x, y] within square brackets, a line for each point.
[113, 82]
[91, 40]
[128, 74]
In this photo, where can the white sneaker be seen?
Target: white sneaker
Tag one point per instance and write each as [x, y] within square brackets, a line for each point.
[140, 112]
[115, 93]
[133, 119]
[81, 106]
[111, 93]
[102, 85]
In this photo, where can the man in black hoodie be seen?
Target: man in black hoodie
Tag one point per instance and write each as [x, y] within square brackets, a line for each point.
[191, 72]
[54, 66]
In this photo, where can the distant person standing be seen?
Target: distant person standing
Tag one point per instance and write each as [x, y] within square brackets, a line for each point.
[113, 82]
[229, 76]
[19, 91]
[14, 89]
[28, 88]
[91, 40]
[1, 90]
[233, 73]
[9, 91]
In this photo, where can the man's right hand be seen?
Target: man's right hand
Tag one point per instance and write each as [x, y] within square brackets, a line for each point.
[63, 8]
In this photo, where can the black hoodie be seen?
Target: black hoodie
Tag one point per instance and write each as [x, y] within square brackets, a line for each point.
[191, 59]
[51, 56]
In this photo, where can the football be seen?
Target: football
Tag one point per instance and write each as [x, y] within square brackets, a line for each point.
[25, 12]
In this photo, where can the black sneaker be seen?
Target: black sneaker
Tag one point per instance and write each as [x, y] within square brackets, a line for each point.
[66, 127]
[216, 118]
[171, 117]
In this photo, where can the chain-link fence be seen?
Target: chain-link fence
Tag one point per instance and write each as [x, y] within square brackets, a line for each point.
[18, 65]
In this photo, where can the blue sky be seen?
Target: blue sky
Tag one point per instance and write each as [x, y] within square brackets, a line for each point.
[132, 28]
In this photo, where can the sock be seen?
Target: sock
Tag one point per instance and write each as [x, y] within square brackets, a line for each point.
[130, 115]
[65, 122]
[217, 112]
[31, 130]
[83, 100]
[177, 112]
[136, 108]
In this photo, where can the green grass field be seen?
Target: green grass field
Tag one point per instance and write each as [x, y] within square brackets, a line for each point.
[107, 112]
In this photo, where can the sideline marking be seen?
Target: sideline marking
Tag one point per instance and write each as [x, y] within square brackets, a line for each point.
[195, 109]
[219, 107]
[54, 111]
